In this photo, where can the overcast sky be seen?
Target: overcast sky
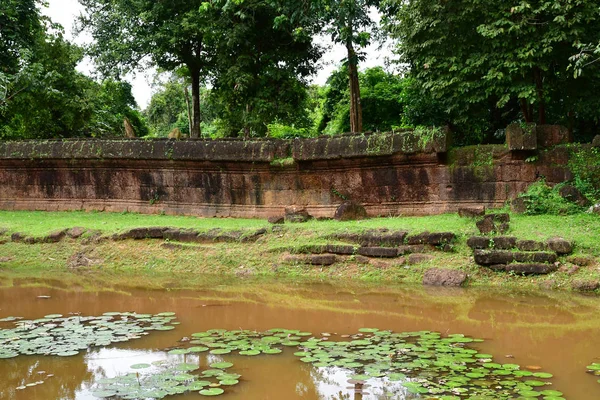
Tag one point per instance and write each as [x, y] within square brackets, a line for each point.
[65, 11]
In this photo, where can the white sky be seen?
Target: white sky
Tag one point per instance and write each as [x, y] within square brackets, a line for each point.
[65, 11]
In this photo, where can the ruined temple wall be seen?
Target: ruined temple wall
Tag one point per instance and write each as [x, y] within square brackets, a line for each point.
[389, 175]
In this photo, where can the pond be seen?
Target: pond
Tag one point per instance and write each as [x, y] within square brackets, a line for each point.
[553, 333]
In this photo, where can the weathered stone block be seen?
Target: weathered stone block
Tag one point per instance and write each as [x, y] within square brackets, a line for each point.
[525, 268]
[339, 249]
[444, 277]
[504, 242]
[296, 215]
[521, 137]
[518, 205]
[350, 211]
[142, 233]
[552, 135]
[596, 141]
[479, 242]
[585, 285]
[383, 252]
[531, 245]
[76, 232]
[54, 237]
[560, 245]
[322, 259]
[495, 257]
[471, 212]
[277, 220]
[572, 194]
[181, 235]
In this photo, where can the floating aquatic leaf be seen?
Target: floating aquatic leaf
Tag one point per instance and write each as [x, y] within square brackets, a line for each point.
[67, 336]
[212, 392]
[221, 365]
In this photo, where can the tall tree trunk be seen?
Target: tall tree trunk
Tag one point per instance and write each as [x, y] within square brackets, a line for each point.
[189, 108]
[526, 110]
[355, 106]
[539, 86]
[195, 75]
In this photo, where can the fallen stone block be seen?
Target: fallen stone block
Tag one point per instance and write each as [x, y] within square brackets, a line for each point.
[560, 245]
[525, 268]
[382, 252]
[471, 212]
[374, 238]
[435, 239]
[584, 285]
[350, 211]
[582, 261]
[504, 242]
[181, 235]
[296, 215]
[253, 236]
[479, 242]
[141, 233]
[518, 205]
[531, 245]
[596, 141]
[323, 259]
[340, 249]
[572, 194]
[444, 277]
[76, 232]
[495, 257]
[276, 220]
[54, 237]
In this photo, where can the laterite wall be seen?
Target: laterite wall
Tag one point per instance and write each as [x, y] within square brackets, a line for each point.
[390, 174]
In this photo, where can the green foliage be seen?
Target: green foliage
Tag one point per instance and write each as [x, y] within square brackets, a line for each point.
[500, 58]
[584, 163]
[281, 131]
[382, 96]
[20, 27]
[543, 199]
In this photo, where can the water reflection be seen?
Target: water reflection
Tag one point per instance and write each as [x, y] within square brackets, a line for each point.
[557, 332]
[332, 384]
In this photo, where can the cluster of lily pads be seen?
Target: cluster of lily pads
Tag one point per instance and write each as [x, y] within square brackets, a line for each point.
[594, 369]
[164, 379]
[425, 362]
[67, 336]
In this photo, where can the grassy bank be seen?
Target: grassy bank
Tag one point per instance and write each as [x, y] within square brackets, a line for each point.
[147, 263]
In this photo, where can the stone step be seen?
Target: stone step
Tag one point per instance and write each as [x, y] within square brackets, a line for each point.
[525, 268]
[495, 257]
[558, 245]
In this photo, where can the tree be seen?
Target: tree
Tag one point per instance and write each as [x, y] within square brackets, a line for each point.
[242, 45]
[50, 99]
[261, 65]
[349, 24]
[470, 53]
[20, 26]
[170, 34]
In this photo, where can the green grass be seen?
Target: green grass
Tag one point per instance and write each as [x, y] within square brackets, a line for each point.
[38, 223]
[148, 264]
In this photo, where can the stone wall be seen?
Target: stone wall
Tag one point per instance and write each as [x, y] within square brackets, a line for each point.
[390, 174]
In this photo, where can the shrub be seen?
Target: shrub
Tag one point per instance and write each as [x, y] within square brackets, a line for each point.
[543, 199]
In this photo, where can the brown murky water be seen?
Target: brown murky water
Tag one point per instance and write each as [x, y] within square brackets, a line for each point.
[560, 333]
